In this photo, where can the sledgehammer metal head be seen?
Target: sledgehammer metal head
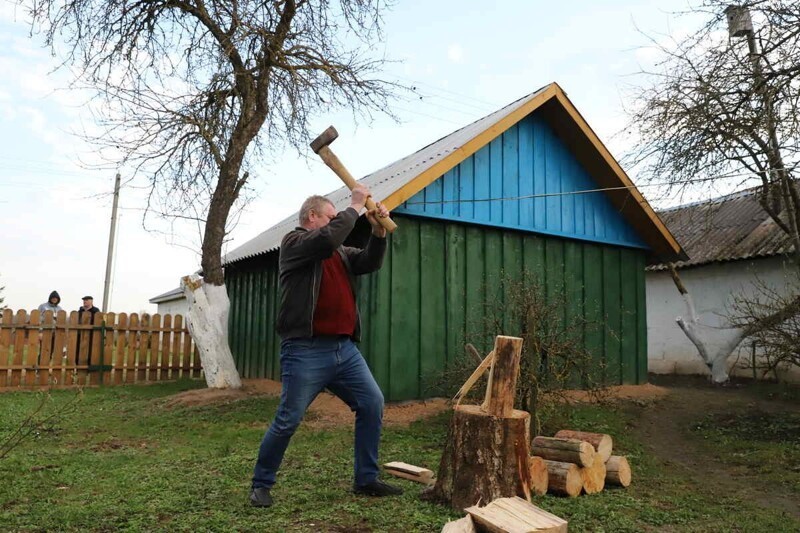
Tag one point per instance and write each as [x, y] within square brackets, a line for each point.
[324, 139]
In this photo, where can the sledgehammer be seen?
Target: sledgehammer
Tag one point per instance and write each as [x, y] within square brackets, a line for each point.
[320, 145]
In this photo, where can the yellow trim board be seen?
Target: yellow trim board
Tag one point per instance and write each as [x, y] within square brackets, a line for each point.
[483, 138]
[620, 173]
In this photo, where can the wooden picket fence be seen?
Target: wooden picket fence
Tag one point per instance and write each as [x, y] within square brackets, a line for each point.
[107, 349]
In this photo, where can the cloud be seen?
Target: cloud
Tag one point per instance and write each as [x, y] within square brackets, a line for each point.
[455, 53]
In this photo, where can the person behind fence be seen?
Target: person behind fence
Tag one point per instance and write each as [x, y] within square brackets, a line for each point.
[319, 324]
[88, 306]
[51, 304]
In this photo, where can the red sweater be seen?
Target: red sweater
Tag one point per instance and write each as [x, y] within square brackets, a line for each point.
[335, 313]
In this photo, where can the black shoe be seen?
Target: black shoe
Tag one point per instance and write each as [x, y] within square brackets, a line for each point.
[377, 488]
[259, 497]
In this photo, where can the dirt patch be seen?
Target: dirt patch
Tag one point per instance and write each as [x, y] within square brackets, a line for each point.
[114, 443]
[665, 429]
[200, 397]
[647, 392]
[756, 425]
[326, 411]
[329, 411]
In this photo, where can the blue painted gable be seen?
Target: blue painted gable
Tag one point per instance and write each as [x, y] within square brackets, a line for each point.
[527, 159]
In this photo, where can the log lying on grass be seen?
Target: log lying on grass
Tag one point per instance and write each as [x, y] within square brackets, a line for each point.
[618, 471]
[462, 525]
[594, 476]
[602, 443]
[539, 476]
[411, 472]
[564, 450]
[564, 478]
[516, 515]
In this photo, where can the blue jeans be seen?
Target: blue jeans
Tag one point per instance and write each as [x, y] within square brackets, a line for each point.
[307, 366]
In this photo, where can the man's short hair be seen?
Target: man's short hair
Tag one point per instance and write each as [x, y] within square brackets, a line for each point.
[313, 203]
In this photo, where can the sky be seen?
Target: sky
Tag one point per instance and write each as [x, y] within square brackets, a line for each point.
[465, 58]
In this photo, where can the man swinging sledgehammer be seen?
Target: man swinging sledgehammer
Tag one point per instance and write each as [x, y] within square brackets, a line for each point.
[318, 323]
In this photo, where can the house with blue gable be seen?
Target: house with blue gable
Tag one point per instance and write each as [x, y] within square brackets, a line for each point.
[528, 190]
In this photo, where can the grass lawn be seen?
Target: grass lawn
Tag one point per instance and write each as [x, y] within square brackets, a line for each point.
[122, 461]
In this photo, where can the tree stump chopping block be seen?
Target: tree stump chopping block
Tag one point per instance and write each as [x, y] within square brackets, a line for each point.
[485, 458]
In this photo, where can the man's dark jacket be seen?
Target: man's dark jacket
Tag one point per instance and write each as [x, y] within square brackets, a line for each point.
[300, 270]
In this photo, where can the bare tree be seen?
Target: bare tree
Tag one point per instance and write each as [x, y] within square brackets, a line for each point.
[193, 93]
[724, 103]
[778, 338]
[37, 421]
[554, 358]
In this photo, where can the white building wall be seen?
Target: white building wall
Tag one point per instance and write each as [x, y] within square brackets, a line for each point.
[712, 288]
[174, 307]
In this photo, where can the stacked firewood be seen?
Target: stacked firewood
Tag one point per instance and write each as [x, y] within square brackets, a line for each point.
[575, 462]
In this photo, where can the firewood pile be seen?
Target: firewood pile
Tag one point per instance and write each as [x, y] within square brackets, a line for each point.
[574, 462]
[490, 468]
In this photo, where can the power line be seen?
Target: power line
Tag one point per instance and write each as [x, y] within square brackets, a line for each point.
[436, 88]
[450, 109]
[429, 116]
[424, 94]
[583, 191]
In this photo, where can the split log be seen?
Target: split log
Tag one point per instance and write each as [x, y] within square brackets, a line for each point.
[501, 388]
[564, 478]
[539, 476]
[515, 515]
[476, 375]
[618, 471]
[462, 525]
[564, 450]
[485, 457]
[411, 472]
[594, 476]
[602, 443]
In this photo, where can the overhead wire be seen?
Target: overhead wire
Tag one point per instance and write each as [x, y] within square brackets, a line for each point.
[584, 191]
[441, 89]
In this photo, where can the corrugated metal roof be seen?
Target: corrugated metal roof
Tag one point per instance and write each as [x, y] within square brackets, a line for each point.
[385, 181]
[724, 229]
[174, 294]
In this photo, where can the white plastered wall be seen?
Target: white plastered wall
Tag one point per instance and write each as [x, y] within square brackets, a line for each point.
[712, 286]
[173, 307]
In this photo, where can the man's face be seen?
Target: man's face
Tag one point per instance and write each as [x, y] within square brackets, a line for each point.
[321, 219]
[88, 303]
[54, 300]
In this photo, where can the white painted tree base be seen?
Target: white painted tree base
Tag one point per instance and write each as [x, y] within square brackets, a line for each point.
[207, 320]
[714, 344]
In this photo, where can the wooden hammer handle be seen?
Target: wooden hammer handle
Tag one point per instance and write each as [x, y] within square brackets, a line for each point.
[339, 169]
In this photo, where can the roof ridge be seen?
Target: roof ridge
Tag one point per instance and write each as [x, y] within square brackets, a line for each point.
[331, 195]
[397, 182]
[716, 200]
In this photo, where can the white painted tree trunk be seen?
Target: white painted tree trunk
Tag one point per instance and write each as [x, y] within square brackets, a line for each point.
[714, 344]
[207, 319]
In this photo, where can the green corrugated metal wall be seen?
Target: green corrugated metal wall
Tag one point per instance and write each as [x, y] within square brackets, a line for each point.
[430, 292]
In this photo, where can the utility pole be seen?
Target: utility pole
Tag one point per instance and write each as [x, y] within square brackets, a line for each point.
[111, 243]
[740, 24]
[777, 183]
